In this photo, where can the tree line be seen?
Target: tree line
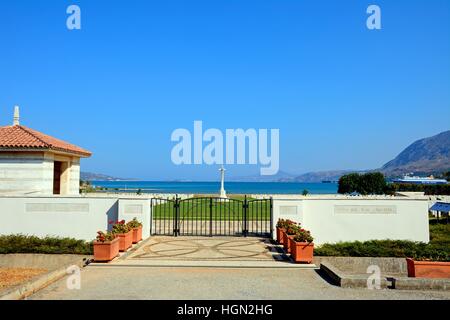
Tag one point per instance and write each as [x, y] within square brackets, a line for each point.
[375, 183]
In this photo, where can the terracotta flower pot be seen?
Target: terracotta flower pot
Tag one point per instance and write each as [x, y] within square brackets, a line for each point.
[280, 236]
[106, 251]
[137, 234]
[301, 252]
[125, 240]
[428, 269]
[287, 242]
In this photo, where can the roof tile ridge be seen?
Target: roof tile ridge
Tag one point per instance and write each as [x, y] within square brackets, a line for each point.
[28, 130]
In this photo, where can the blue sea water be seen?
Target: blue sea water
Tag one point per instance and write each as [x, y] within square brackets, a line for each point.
[213, 187]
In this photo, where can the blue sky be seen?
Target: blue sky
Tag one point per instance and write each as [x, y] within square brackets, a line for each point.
[343, 97]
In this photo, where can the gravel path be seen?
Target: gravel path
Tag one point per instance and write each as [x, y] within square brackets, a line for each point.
[13, 276]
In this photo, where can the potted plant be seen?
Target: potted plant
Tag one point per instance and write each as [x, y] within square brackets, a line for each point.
[106, 247]
[302, 246]
[427, 269]
[281, 227]
[136, 226]
[124, 233]
[291, 231]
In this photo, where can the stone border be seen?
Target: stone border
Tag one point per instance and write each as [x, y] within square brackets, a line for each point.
[350, 281]
[421, 284]
[345, 280]
[23, 290]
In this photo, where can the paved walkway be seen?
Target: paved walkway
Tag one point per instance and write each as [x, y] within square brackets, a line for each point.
[211, 268]
[213, 283]
[208, 252]
[207, 249]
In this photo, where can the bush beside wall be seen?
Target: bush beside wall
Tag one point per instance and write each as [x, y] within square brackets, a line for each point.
[440, 189]
[47, 245]
[437, 250]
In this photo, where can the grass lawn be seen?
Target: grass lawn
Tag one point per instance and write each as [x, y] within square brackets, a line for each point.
[205, 209]
[438, 249]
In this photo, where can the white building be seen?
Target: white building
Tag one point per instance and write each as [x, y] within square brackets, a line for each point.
[33, 163]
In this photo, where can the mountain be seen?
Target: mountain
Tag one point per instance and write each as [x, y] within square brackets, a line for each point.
[310, 177]
[89, 176]
[314, 177]
[423, 157]
[426, 156]
[280, 176]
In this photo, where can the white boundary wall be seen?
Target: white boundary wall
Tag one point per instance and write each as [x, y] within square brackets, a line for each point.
[330, 220]
[337, 220]
[139, 209]
[74, 217]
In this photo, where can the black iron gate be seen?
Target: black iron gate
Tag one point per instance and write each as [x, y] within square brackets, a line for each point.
[211, 216]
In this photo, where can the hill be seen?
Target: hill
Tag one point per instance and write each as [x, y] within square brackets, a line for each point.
[426, 156]
[319, 176]
[89, 176]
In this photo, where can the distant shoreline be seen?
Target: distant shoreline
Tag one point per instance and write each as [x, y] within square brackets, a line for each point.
[212, 187]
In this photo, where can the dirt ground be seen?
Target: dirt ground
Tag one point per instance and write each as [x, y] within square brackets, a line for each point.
[12, 276]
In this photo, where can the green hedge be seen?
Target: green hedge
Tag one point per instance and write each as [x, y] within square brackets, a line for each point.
[439, 189]
[48, 245]
[438, 249]
[386, 248]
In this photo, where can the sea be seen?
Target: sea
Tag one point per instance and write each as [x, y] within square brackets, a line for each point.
[214, 187]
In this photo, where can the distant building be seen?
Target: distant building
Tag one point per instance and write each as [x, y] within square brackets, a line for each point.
[34, 163]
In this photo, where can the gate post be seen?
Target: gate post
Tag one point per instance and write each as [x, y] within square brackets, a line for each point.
[210, 216]
[245, 212]
[176, 205]
[151, 216]
[271, 218]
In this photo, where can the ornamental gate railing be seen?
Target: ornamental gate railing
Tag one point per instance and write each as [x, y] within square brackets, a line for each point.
[212, 216]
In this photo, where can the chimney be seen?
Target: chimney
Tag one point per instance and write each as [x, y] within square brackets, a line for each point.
[16, 116]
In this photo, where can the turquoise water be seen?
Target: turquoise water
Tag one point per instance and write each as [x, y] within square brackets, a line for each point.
[213, 187]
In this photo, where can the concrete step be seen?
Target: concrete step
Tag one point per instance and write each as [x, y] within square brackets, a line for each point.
[203, 264]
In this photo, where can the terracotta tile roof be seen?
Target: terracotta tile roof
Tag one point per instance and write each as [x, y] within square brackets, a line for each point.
[20, 137]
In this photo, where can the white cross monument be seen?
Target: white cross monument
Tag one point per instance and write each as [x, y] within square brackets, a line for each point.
[223, 193]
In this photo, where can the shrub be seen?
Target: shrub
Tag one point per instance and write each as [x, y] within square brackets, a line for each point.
[284, 224]
[438, 249]
[120, 227]
[134, 224]
[48, 245]
[368, 183]
[292, 229]
[105, 236]
[428, 189]
[348, 183]
[303, 235]
[386, 248]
